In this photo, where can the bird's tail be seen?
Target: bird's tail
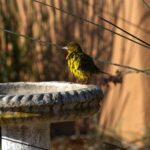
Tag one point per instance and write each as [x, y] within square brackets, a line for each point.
[105, 73]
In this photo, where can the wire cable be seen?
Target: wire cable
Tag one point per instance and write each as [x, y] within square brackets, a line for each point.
[137, 70]
[31, 38]
[88, 21]
[146, 4]
[124, 31]
[116, 16]
[145, 71]
[109, 22]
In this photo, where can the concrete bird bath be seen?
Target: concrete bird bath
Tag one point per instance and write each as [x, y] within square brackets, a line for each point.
[28, 108]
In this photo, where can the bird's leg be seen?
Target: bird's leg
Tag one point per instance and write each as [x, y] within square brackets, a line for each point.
[81, 81]
[85, 81]
[78, 81]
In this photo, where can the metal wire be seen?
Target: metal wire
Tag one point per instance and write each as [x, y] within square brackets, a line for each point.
[88, 21]
[137, 70]
[124, 31]
[116, 16]
[109, 22]
[31, 38]
[146, 4]
[145, 71]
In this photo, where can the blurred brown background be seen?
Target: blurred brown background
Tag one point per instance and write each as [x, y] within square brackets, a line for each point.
[125, 111]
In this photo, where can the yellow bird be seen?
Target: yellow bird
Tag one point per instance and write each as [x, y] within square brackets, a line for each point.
[80, 64]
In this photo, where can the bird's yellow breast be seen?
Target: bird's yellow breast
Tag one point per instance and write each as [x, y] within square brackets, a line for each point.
[73, 65]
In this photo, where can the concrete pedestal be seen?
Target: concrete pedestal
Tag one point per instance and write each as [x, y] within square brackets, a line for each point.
[26, 137]
[28, 108]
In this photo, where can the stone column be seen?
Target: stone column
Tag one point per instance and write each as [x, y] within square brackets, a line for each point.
[26, 137]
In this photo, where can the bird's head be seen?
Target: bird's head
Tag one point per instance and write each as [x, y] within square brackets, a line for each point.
[72, 47]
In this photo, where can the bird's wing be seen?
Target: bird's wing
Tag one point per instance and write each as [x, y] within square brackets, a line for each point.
[87, 63]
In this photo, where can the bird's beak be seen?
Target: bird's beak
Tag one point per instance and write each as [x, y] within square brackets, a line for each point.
[65, 48]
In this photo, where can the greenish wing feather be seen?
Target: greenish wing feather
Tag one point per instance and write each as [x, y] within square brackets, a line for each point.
[87, 63]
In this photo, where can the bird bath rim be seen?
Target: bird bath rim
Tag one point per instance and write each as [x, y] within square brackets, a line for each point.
[54, 85]
[52, 101]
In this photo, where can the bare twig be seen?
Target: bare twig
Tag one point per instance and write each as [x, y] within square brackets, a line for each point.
[114, 145]
[109, 22]
[91, 22]
[146, 4]
[132, 69]
[136, 70]
[30, 38]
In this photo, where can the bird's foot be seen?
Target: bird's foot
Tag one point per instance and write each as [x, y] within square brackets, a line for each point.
[82, 81]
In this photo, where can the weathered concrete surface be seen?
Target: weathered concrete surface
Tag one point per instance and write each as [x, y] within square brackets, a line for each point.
[53, 101]
[26, 137]
[28, 108]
